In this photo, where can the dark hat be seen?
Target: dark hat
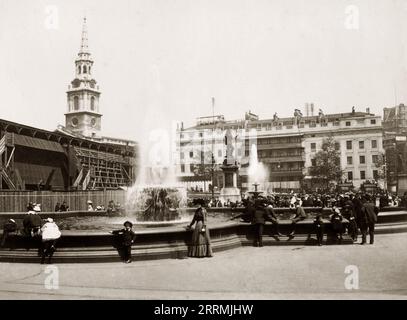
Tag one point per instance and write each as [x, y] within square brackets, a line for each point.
[199, 201]
[129, 223]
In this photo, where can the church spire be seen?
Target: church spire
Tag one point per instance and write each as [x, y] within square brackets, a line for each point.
[83, 94]
[84, 40]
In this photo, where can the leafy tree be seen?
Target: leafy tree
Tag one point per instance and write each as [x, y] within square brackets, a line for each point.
[327, 167]
[380, 165]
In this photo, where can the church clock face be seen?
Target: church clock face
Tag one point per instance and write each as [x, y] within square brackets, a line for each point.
[93, 122]
[74, 121]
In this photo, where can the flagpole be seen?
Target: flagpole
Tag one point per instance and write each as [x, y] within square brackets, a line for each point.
[213, 157]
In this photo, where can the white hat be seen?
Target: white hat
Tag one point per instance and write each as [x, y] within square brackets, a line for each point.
[37, 208]
[12, 220]
[89, 201]
[50, 220]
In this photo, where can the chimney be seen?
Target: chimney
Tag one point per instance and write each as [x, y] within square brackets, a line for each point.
[367, 110]
[307, 109]
[312, 109]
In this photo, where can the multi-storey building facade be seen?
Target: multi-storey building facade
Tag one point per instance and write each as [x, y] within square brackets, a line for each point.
[286, 146]
[358, 138]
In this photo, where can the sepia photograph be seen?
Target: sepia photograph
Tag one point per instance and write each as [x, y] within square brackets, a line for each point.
[203, 151]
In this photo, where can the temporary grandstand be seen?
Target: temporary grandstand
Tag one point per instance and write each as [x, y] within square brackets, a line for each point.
[37, 159]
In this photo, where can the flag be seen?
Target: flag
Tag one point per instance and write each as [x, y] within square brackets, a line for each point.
[86, 181]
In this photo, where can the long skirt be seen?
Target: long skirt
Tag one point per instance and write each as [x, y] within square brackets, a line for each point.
[201, 242]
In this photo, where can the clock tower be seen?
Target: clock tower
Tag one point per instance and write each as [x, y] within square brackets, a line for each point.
[83, 115]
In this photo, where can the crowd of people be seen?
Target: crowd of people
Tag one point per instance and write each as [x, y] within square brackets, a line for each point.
[360, 209]
[44, 233]
[323, 200]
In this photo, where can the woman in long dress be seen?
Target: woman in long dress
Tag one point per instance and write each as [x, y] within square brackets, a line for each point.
[201, 242]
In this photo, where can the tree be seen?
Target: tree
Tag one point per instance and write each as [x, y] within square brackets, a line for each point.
[327, 167]
[380, 163]
[202, 166]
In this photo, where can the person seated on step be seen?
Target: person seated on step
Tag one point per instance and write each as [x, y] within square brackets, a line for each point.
[32, 222]
[337, 226]
[260, 214]
[319, 228]
[64, 207]
[9, 227]
[272, 217]
[299, 216]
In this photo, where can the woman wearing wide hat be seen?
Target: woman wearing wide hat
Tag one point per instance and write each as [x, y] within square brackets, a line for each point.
[201, 243]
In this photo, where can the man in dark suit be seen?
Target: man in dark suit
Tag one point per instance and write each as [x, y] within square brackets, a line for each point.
[272, 217]
[259, 218]
[368, 219]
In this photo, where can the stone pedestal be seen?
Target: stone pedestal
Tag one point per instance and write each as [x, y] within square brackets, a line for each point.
[230, 191]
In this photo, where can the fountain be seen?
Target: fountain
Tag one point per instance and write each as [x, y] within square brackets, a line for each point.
[257, 172]
[156, 196]
[255, 194]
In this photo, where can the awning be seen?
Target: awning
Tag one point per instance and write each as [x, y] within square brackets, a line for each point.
[34, 174]
[37, 143]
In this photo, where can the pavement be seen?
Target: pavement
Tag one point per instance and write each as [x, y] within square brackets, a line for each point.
[286, 272]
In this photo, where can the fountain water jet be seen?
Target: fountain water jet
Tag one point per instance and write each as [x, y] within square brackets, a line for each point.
[257, 173]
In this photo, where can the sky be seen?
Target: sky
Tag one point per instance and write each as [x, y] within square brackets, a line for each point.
[158, 61]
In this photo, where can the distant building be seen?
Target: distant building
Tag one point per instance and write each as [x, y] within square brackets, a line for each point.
[286, 146]
[395, 145]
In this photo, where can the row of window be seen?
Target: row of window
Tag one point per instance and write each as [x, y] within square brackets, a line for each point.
[362, 159]
[349, 160]
[361, 121]
[220, 154]
[84, 69]
[76, 103]
[276, 154]
[277, 140]
[362, 175]
[349, 145]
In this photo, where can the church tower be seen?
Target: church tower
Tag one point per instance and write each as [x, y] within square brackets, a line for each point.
[83, 116]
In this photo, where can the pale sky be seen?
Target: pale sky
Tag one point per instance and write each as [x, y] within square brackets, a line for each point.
[162, 60]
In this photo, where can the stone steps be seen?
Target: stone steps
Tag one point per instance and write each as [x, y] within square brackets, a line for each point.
[151, 251]
[98, 246]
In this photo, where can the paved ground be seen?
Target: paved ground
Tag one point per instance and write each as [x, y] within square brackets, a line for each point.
[244, 273]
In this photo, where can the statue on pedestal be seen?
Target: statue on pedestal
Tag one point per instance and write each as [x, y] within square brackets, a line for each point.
[230, 192]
